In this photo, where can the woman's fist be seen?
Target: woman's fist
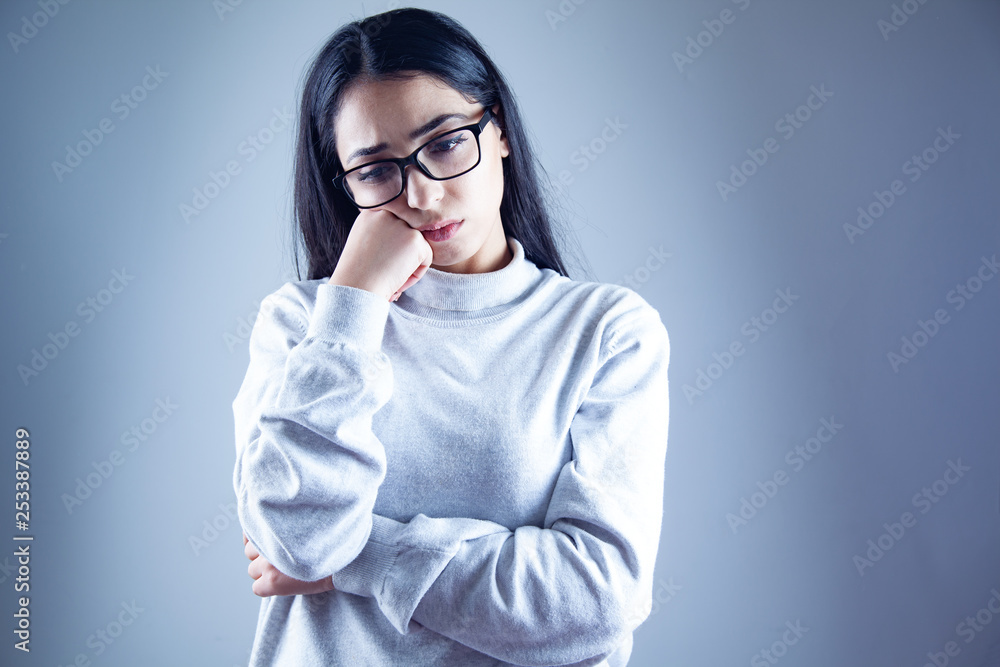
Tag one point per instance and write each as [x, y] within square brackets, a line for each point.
[383, 255]
[269, 581]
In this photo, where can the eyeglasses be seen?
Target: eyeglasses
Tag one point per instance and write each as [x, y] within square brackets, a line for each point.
[447, 156]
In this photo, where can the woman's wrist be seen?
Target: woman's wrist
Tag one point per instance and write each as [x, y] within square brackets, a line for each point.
[368, 286]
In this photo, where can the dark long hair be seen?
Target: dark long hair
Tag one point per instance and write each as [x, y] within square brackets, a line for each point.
[393, 44]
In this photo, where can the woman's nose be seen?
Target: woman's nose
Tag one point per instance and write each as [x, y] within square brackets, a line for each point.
[420, 191]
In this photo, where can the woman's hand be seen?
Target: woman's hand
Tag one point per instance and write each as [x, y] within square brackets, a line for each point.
[383, 255]
[269, 581]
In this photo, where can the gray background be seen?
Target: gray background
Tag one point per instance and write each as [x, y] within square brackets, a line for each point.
[178, 329]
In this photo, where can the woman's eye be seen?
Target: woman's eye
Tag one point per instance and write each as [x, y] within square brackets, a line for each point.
[372, 174]
[448, 144]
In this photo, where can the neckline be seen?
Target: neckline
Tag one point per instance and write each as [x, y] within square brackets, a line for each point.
[471, 292]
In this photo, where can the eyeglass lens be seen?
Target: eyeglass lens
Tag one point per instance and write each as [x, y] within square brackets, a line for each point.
[447, 156]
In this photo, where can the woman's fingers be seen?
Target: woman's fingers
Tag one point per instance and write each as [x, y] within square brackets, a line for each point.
[257, 567]
[421, 270]
[268, 581]
[249, 549]
[412, 280]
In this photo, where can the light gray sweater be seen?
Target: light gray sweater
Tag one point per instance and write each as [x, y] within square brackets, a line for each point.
[479, 465]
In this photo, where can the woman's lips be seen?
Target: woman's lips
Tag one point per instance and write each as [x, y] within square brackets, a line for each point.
[442, 233]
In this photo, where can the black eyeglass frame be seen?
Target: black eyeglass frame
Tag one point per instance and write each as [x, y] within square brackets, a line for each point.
[403, 162]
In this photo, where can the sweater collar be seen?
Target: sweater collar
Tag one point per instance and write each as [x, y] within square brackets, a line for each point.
[442, 290]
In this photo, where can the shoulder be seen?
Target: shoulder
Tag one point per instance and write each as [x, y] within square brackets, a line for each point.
[616, 314]
[290, 307]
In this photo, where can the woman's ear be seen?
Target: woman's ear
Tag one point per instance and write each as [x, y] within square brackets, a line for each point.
[504, 146]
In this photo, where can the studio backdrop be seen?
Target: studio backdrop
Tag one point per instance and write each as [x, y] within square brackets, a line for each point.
[805, 191]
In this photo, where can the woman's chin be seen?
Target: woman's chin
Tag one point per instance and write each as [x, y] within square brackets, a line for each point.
[449, 257]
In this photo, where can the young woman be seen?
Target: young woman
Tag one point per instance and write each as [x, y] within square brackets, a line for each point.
[448, 452]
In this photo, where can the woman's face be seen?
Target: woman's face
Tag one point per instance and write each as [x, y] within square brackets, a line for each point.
[397, 116]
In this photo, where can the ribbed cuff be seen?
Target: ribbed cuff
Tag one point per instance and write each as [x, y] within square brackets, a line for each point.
[345, 313]
[366, 574]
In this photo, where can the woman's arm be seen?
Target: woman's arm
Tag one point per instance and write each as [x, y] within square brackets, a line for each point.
[573, 590]
[307, 464]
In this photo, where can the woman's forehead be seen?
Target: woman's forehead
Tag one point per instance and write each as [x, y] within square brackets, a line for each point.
[390, 110]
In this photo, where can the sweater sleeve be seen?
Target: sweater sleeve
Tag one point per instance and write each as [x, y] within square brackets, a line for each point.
[307, 464]
[566, 593]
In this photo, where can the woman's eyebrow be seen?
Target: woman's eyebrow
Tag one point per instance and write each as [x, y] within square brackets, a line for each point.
[434, 123]
[421, 131]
